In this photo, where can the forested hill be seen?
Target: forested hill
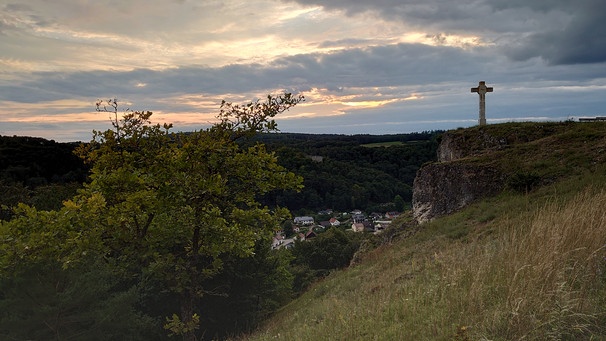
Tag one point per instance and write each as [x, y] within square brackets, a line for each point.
[36, 161]
[341, 172]
[318, 140]
[37, 172]
[345, 172]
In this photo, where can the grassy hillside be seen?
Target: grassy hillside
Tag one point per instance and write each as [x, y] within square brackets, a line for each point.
[526, 265]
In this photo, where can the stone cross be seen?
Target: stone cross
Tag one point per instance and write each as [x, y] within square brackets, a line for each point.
[482, 89]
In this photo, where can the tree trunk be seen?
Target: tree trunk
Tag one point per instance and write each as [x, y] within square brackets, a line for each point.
[187, 313]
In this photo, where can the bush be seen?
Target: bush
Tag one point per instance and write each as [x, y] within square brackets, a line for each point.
[524, 182]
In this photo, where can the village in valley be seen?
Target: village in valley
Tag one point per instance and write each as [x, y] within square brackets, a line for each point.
[304, 228]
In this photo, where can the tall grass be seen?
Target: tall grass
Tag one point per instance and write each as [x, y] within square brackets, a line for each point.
[539, 275]
[540, 278]
[545, 274]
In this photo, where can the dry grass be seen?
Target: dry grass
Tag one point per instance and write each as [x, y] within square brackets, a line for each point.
[538, 276]
[541, 278]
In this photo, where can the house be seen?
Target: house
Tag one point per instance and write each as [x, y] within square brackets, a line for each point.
[357, 227]
[325, 224]
[281, 242]
[363, 226]
[304, 220]
[358, 218]
[376, 216]
[392, 215]
[382, 224]
[334, 222]
[276, 242]
[310, 234]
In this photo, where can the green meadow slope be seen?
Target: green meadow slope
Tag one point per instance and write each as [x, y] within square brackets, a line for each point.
[523, 265]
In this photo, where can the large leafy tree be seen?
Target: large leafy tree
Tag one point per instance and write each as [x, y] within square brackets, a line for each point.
[167, 207]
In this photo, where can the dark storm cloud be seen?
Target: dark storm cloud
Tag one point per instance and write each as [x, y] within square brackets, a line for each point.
[582, 40]
[384, 66]
[559, 31]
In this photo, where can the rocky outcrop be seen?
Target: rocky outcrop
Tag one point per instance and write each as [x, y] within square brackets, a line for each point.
[443, 188]
[450, 148]
[457, 145]
[478, 162]
[462, 143]
[454, 182]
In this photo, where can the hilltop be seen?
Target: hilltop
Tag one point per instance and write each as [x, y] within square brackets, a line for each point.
[524, 260]
[483, 161]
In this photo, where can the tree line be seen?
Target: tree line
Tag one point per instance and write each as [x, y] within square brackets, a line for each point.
[345, 172]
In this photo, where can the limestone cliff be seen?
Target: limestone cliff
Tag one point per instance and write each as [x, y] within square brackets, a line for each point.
[462, 143]
[468, 166]
[483, 160]
[443, 188]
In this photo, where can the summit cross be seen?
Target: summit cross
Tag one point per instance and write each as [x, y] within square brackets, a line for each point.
[482, 89]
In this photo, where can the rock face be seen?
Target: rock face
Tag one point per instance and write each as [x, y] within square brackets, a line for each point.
[443, 188]
[454, 145]
[468, 167]
[450, 184]
[450, 148]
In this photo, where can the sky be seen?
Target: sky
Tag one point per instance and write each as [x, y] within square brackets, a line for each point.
[364, 67]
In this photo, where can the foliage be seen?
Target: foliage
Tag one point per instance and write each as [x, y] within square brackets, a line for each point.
[524, 182]
[44, 197]
[160, 207]
[333, 249]
[247, 291]
[34, 161]
[345, 175]
[379, 173]
[53, 284]
[182, 201]
[177, 327]
[399, 203]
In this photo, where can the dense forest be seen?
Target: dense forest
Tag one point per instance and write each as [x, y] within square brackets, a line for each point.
[144, 233]
[340, 172]
[346, 172]
[37, 172]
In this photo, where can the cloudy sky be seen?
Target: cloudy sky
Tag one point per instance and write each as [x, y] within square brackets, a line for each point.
[364, 67]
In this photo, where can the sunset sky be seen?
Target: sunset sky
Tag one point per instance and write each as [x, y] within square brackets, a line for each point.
[364, 67]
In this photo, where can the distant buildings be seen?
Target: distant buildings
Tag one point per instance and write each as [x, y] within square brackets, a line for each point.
[306, 228]
[305, 220]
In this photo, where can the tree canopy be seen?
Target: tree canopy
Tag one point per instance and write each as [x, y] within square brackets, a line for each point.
[162, 207]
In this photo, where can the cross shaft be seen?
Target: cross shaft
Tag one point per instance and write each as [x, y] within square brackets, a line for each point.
[482, 89]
